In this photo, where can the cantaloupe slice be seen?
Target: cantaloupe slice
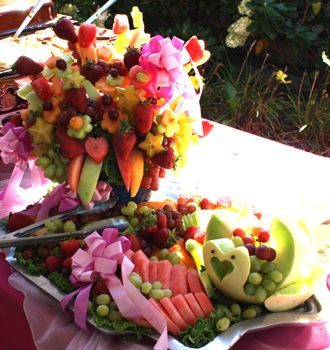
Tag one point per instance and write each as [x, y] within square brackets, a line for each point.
[204, 302]
[195, 307]
[74, 170]
[137, 170]
[142, 262]
[173, 312]
[187, 314]
[105, 52]
[194, 281]
[179, 281]
[153, 271]
[164, 273]
[52, 116]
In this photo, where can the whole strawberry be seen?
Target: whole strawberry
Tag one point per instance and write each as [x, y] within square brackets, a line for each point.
[91, 71]
[71, 148]
[68, 248]
[17, 221]
[131, 57]
[64, 29]
[135, 244]
[124, 140]
[26, 66]
[77, 98]
[53, 264]
[144, 114]
[165, 159]
[161, 220]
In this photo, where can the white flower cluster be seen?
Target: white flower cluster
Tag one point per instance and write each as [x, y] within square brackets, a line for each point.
[238, 33]
[243, 10]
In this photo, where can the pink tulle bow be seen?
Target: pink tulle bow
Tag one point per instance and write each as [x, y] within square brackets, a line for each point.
[101, 259]
[15, 145]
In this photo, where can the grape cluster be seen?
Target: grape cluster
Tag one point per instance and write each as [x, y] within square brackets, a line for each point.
[152, 175]
[164, 254]
[53, 165]
[152, 290]
[105, 306]
[57, 225]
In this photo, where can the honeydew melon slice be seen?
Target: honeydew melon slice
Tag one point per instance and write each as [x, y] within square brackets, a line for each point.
[221, 223]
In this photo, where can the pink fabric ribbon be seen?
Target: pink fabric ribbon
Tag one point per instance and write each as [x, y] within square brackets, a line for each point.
[101, 259]
[328, 282]
[101, 194]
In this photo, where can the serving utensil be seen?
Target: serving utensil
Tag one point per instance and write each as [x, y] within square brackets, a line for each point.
[100, 11]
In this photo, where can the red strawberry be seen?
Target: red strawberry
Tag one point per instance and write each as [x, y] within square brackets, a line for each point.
[165, 159]
[70, 148]
[17, 119]
[193, 232]
[206, 203]
[87, 34]
[64, 29]
[199, 236]
[26, 66]
[195, 48]
[224, 202]
[68, 248]
[101, 287]
[67, 263]
[160, 239]
[17, 221]
[124, 140]
[131, 57]
[147, 232]
[91, 71]
[135, 244]
[77, 98]
[53, 263]
[120, 24]
[97, 148]
[161, 220]
[42, 89]
[144, 114]
[207, 128]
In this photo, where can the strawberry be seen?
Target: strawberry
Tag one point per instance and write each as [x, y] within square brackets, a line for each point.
[124, 140]
[144, 114]
[87, 34]
[199, 236]
[64, 29]
[17, 221]
[161, 220]
[70, 148]
[165, 159]
[193, 232]
[53, 263]
[101, 287]
[67, 263]
[135, 244]
[68, 248]
[17, 119]
[207, 128]
[206, 203]
[163, 238]
[91, 71]
[195, 48]
[224, 202]
[26, 66]
[77, 98]
[131, 57]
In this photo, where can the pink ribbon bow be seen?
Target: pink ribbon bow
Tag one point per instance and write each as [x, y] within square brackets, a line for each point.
[101, 259]
[101, 194]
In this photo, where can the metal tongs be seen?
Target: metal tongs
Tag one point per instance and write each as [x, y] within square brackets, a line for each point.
[100, 11]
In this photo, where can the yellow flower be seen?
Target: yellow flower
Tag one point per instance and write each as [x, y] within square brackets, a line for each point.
[280, 76]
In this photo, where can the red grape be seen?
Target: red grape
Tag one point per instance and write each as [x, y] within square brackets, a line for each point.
[251, 248]
[248, 240]
[263, 236]
[239, 232]
[272, 254]
[262, 252]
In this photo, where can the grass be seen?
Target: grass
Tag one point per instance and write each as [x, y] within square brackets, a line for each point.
[254, 100]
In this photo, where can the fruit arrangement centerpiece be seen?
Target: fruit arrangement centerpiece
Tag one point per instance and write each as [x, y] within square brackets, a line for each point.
[119, 113]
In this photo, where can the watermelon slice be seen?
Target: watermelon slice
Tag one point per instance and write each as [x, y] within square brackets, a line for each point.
[74, 170]
[173, 312]
[142, 262]
[153, 271]
[181, 304]
[125, 169]
[194, 281]
[171, 326]
[140, 322]
[120, 24]
[204, 302]
[130, 254]
[193, 303]
[179, 281]
[195, 48]
[164, 272]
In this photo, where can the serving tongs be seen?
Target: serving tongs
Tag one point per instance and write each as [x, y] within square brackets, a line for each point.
[30, 235]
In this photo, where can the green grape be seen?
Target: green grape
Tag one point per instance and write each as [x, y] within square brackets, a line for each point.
[146, 287]
[275, 276]
[50, 171]
[269, 285]
[102, 310]
[52, 155]
[255, 278]
[171, 256]
[163, 254]
[50, 226]
[142, 209]
[69, 226]
[176, 260]
[134, 221]
[260, 294]
[137, 283]
[255, 263]
[157, 285]
[103, 299]
[249, 313]
[238, 241]
[127, 211]
[132, 204]
[58, 222]
[114, 316]
[64, 160]
[136, 275]
[268, 266]
[59, 171]
[249, 288]
[223, 324]
[43, 161]
[153, 258]
[148, 212]
[167, 293]
[156, 294]
[257, 308]
[113, 306]
[235, 309]
[40, 152]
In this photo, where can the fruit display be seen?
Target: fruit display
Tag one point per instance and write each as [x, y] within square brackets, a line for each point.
[124, 112]
[201, 265]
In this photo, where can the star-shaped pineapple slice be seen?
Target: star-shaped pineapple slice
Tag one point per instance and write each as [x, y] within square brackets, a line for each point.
[127, 99]
[73, 80]
[42, 132]
[152, 144]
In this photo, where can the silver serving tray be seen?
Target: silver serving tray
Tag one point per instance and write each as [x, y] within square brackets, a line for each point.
[315, 310]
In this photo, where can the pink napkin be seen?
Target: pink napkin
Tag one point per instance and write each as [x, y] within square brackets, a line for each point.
[52, 330]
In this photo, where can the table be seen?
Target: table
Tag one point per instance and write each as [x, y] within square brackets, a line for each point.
[281, 179]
